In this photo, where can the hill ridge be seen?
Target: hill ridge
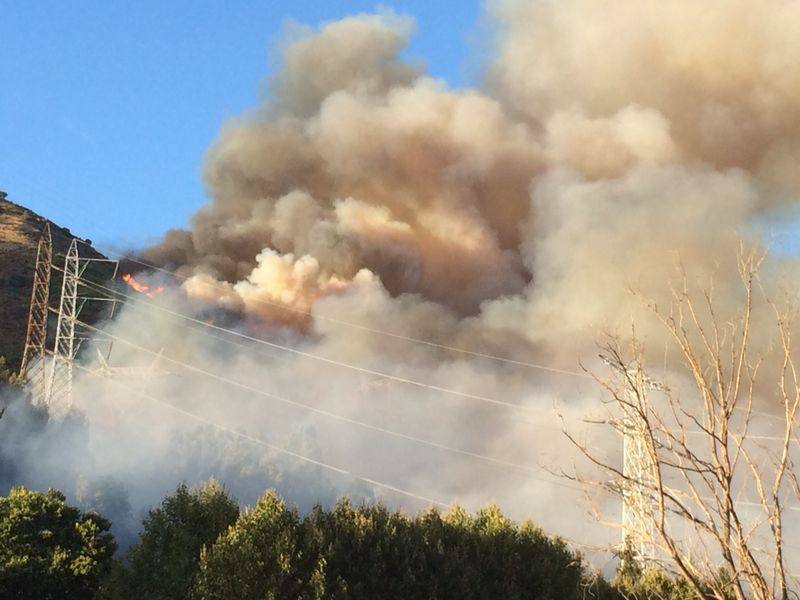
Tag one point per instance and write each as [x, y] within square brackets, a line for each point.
[20, 229]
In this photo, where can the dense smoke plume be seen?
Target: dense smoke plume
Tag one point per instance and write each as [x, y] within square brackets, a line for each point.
[608, 142]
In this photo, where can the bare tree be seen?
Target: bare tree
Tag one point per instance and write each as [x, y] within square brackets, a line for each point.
[711, 496]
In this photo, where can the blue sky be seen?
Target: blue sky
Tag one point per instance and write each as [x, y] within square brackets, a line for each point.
[106, 108]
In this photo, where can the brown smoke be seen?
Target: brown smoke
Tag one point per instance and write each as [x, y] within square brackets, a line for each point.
[611, 139]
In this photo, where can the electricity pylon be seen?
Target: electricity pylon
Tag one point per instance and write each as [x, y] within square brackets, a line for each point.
[59, 392]
[52, 387]
[637, 467]
[58, 397]
[34, 364]
[637, 498]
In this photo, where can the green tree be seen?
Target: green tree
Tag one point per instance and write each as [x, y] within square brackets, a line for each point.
[165, 562]
[262, 556]
[50, 550]
[368, 551]
[490, 556]
[634, 582]
[653, 584]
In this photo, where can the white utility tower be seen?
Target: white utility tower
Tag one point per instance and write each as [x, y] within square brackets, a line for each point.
[34, 357]
[59, 392]
[50, 382]
[637, 464]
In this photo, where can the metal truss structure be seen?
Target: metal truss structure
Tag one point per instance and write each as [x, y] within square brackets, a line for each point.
[50, 381]
[59, 392]
[34, 361]
[637, 468]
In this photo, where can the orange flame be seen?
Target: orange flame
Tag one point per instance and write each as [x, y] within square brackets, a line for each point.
[142, 288]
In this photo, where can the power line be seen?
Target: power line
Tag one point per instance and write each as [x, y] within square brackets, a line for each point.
[321, 464]
[279, 449]
[496, 461]
[324, 359]
[340, 417]
[149, 304]
[364, 327]
[205, 324]
[232, 382]
[355, 367]
[308, 355]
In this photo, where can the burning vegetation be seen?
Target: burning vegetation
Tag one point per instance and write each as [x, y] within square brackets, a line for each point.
[142, 288]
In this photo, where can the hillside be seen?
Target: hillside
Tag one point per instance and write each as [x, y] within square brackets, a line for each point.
[19, 235]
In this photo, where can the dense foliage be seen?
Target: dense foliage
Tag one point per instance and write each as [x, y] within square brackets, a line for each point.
[262, 556]
[50, 550]
[196, 546]
[636, 583]
[162, 566]
[371, 552]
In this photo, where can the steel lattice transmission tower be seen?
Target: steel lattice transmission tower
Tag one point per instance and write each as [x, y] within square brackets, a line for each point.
[34, 363]
[50, 382]
[637, 464]
[637, 500]
[59, 392]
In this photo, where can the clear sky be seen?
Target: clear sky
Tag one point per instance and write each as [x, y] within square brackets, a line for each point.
[106, 108]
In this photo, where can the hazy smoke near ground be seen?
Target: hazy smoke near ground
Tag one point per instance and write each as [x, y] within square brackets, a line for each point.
[607, 142]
